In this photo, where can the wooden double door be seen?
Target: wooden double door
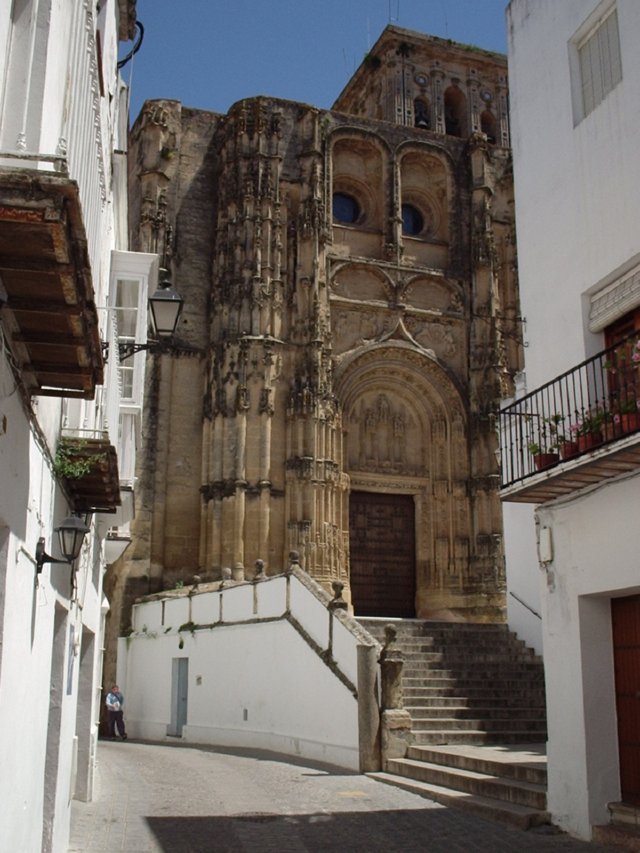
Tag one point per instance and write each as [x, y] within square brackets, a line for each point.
[625, 621]
[382, 554]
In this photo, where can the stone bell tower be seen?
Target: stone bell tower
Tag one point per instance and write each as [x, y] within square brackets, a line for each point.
[350, 325]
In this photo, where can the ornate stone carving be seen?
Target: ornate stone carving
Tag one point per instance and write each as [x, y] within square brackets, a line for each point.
[440, 338]
[384, 437]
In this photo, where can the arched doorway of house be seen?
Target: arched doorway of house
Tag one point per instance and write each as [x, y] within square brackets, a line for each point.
[383, 554]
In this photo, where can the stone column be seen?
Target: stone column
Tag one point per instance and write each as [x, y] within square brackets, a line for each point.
[396, 721]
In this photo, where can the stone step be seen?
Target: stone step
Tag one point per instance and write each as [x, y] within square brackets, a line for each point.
[461, 712]
[499, 725]
[462, 654]
[472, 782]
[456, 644]
[451, 687]
[473, 737]
[439, 678]
[431, 626]
[519, 763]
[617, 837]
[478, 675]
[447, 660]
[511, 813]
[470, 667]
[418, 697]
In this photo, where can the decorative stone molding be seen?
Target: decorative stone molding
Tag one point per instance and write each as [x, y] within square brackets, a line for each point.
[614, 300]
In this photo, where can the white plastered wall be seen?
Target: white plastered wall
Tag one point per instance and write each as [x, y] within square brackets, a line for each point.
[585, 573]
[577, 209]
[254, 680]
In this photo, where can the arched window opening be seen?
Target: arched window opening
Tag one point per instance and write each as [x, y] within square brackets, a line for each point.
[455, 112]
[345, 208]
[421, 113]
[412, 220]
[488, 126]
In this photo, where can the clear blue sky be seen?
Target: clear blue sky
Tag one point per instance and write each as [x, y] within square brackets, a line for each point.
[211, 53]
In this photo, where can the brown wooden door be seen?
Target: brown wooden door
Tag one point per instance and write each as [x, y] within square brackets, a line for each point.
[625, 620]
[382, 554]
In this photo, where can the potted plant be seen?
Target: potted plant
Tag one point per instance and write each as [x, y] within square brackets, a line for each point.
[543, 457]
[627, 417]
[545, 450]
[588, 429]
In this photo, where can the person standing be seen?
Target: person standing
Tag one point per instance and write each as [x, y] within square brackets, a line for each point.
[115, 712]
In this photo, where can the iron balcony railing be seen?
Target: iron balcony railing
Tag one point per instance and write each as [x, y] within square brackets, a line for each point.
[595, 403]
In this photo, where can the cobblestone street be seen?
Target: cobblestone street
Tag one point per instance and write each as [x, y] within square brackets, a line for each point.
[179, 799]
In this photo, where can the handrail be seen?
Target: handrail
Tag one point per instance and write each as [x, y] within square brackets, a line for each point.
[524, 604]
[593, 403]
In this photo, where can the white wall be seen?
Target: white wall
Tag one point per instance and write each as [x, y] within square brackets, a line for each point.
[41, 713]
[523, 574]
[580, 581]
[577, 204]
[254, 681]
[577, 209]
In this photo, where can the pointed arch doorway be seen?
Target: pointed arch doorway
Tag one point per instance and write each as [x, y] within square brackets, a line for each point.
[382, 554]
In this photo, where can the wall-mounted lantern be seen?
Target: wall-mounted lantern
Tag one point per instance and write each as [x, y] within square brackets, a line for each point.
[71, 533]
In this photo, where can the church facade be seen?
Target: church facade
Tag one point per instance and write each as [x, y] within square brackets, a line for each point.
[351, 322]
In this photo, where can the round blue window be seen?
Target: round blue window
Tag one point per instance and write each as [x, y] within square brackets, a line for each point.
[345, 208]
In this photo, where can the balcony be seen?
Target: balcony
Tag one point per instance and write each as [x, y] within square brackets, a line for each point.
[46, 293]
[578, 430]
[87, 469]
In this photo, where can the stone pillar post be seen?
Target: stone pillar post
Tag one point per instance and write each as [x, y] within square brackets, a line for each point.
[396, 721]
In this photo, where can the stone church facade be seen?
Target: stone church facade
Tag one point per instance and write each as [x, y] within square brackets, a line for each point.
[350, 325]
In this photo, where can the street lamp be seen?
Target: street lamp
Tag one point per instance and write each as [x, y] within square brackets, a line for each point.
[71, 535]
[165, 307]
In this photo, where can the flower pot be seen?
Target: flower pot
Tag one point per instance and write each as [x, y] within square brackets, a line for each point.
[587, 442]
[544, 460]
[630, 421]
[569, 449]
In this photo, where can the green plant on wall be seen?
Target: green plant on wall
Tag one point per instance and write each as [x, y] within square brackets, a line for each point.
[71, 461]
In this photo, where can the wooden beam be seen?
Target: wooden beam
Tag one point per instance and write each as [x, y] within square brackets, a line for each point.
[52, 340]
[24, 305]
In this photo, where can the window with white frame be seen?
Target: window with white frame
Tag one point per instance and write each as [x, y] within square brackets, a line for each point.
[133, 275]
[127, 310]
[597, 63]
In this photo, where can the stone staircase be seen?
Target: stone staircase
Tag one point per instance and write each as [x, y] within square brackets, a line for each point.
[623, 831]
[476, 696]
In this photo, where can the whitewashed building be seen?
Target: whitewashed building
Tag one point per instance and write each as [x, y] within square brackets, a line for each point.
[571, 445]
[68, 414]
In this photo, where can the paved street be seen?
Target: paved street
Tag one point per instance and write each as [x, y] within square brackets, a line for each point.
[179, 799]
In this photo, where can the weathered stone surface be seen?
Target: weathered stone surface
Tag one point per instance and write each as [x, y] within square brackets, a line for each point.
[319, 356]
[396, 735]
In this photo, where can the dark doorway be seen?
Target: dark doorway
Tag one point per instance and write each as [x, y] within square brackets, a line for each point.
[625, 621]
[382, 554]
